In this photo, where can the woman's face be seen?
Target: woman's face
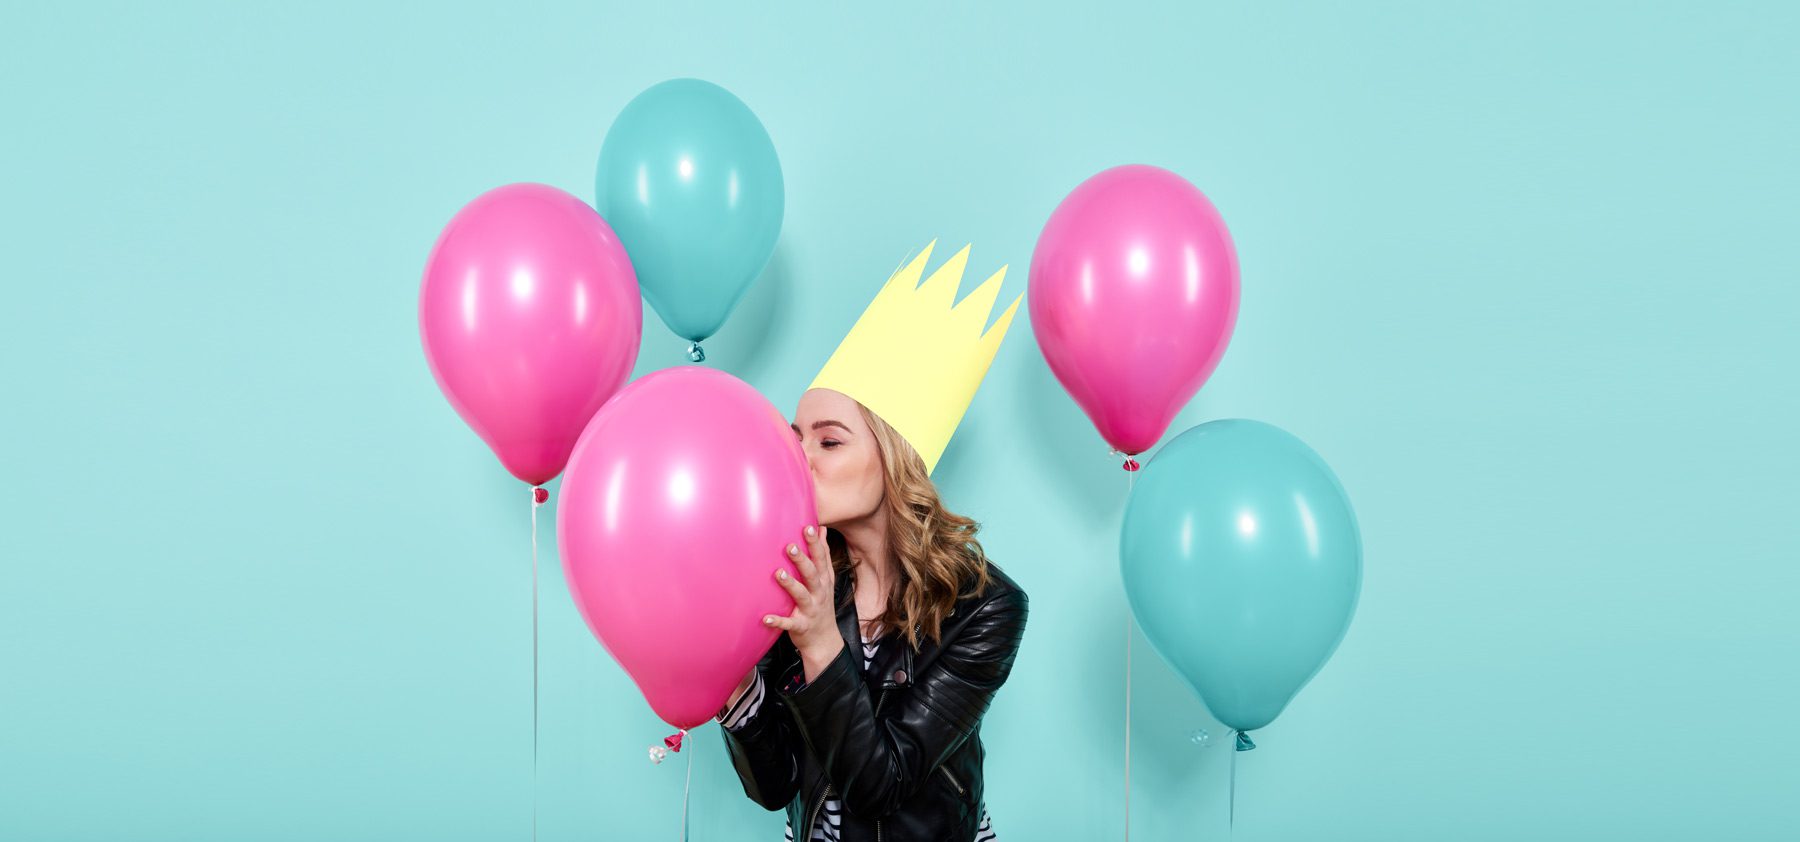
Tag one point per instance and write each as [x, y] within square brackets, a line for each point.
[840, 448]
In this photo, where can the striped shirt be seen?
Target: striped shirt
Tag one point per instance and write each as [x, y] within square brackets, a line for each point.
[826, 830]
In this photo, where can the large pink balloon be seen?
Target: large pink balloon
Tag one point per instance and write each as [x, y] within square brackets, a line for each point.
[1133, 296]
[531, 319]
[676, 509]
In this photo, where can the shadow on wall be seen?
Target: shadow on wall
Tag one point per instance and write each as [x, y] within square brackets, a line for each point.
[749, 342]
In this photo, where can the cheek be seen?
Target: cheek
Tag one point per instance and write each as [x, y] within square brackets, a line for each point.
[848, 482]
[827, 475]
[870, 479]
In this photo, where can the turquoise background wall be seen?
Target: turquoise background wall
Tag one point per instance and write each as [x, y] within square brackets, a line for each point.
[1523, 273]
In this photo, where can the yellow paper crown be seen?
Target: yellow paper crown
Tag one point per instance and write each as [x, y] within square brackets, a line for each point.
[916, 360]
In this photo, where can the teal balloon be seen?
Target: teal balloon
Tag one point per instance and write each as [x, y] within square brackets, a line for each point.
[689, 181]
[1242, 563]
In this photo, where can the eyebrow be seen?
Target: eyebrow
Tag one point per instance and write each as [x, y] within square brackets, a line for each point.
[822, 424]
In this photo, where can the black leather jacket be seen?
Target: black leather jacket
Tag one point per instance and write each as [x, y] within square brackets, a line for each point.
[900, 749]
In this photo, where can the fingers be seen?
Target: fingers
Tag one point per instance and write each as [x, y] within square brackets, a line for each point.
[817, 548]
[805, 564]
[794, 588]
[780, 622]
[819, 554]
[814, 586]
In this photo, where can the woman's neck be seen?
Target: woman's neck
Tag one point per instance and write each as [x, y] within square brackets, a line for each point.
[866, 540]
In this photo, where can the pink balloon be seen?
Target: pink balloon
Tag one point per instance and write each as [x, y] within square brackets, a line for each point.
[531, 319]
[677, 507]
[1133, 296]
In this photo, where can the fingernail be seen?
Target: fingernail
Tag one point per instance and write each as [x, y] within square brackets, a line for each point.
[809, 532]
[768, 621]
[793, 550]
[781, 574]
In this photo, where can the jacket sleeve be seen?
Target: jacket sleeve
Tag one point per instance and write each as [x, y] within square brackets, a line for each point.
[759, 736]
[877, 765]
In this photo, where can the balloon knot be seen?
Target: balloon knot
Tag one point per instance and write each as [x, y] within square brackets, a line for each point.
[696, 353]
[1243, 742]
[673, 741]
[1131, 464]
[539, 495]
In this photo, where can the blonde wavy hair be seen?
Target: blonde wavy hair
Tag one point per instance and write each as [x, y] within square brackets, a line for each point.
[935, 548]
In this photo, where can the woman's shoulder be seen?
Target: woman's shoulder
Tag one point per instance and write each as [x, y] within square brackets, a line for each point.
[1000, 585]
[983, 627]
[1003, 595]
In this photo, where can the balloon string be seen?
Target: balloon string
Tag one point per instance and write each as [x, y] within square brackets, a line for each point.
[1128, 725]
[686, 789]
[1231, 817]
[1130, 481]
[537, 499]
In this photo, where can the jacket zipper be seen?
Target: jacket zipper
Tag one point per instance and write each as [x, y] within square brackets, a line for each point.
[878, 700]
[815, 815]
[815, 810]
[953, 781]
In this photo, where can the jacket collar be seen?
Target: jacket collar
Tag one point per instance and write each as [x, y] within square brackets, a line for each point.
[893, 665]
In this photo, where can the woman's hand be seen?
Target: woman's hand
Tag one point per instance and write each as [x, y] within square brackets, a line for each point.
[813, 625]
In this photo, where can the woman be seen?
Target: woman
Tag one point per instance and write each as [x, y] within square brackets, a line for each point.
[880, 739]
[881, 742]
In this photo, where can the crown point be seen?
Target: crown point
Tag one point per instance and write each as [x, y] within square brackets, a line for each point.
[916, 356]
[939, 290]
[924, 254]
